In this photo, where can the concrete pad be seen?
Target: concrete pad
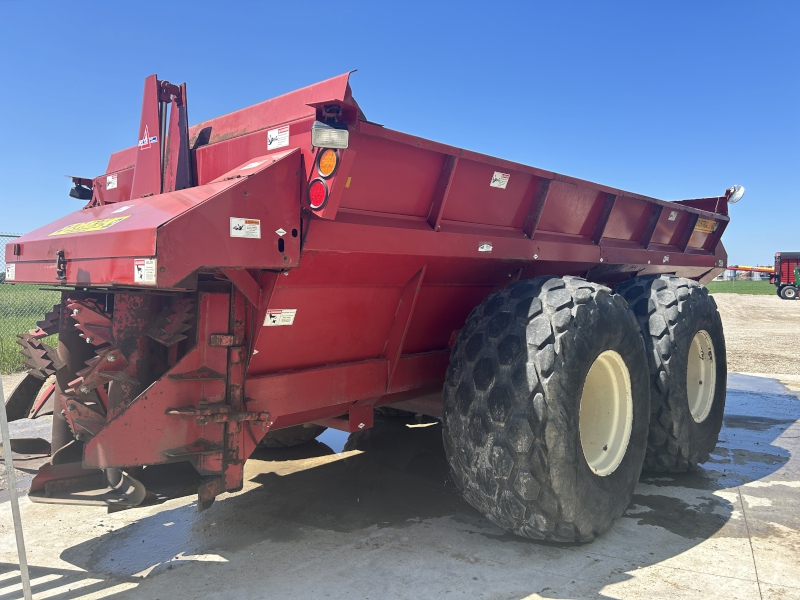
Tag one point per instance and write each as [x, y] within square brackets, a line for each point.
[324, 522]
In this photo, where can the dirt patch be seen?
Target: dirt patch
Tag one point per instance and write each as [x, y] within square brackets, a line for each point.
[760, 333]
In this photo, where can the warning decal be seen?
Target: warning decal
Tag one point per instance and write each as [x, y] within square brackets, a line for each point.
[11, 271]
[278, 138]
[111, 181]
[500, 180]
[245, 228]
[706, 225]
[144, 270]
[280, 316]
[146, 140]
[97, 225]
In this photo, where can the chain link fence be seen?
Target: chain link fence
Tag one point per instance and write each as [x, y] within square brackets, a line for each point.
[20, 307]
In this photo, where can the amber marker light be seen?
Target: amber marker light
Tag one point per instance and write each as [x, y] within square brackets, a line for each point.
[327, 161]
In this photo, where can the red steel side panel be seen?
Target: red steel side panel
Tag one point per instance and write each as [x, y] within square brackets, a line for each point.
[123, 159]
[628, 220]
[115, 186]
[265, 191]
[147, 175]
[283, 109]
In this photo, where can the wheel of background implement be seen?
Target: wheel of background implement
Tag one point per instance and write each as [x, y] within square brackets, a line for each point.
[789, 292]
[778, 289]
[291, 436]
[685, 344]
[546, 406]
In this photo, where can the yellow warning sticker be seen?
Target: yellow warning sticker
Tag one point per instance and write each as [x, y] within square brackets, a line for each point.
[97, 225]
[706, 225]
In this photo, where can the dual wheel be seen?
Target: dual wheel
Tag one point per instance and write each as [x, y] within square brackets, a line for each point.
[559, 391]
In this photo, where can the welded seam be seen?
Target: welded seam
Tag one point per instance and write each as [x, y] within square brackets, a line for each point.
[750, 541]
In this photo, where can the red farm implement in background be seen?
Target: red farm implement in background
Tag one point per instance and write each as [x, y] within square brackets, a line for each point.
[786, 275]
[292, 266]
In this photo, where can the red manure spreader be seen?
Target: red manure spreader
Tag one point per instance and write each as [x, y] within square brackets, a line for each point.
[292, 266]
[786, 274]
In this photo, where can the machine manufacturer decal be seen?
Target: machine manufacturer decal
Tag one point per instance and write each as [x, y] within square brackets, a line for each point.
[122, 208]
[706, 225]
[485, 247]
[144, 270]
[499, 180]
[111, 181]
[280, 316]
[145, 142]
[252, 165]
[11, 271]
[278, 138]
[87, 226]
[245, 228]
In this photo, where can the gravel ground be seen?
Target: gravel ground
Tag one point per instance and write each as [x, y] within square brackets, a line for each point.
[760, 333]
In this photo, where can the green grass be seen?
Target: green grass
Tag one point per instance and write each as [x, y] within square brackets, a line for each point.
[20, 307]
[741, 287]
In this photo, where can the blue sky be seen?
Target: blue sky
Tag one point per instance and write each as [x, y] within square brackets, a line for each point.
[668, 99]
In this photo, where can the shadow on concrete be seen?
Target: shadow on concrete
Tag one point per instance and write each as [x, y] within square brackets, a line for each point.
[396, 477]
[64, 584]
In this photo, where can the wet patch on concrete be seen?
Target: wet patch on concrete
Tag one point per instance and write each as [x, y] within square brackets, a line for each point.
[755, 423]
[692, 521]
[742, 457]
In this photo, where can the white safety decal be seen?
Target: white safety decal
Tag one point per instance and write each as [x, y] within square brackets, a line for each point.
[278, 138]
[111, 181]
[253, 165]
[281, 232]
[245, 228]
[123, 208]
[499, 180]
[11, 271]
[673, 214]
[485, 247]
[280, 316]
[144, 270]
[147, 139]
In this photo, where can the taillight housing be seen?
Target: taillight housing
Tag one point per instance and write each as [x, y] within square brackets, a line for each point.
[317, 193]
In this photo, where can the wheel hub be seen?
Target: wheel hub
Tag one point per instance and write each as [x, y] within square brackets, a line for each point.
[606, 413]
[701, 376]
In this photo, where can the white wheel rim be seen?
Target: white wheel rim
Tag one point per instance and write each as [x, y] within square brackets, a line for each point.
[701, 376]
[606, 413]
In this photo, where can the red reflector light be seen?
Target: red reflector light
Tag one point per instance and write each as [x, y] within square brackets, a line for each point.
[317, 194]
